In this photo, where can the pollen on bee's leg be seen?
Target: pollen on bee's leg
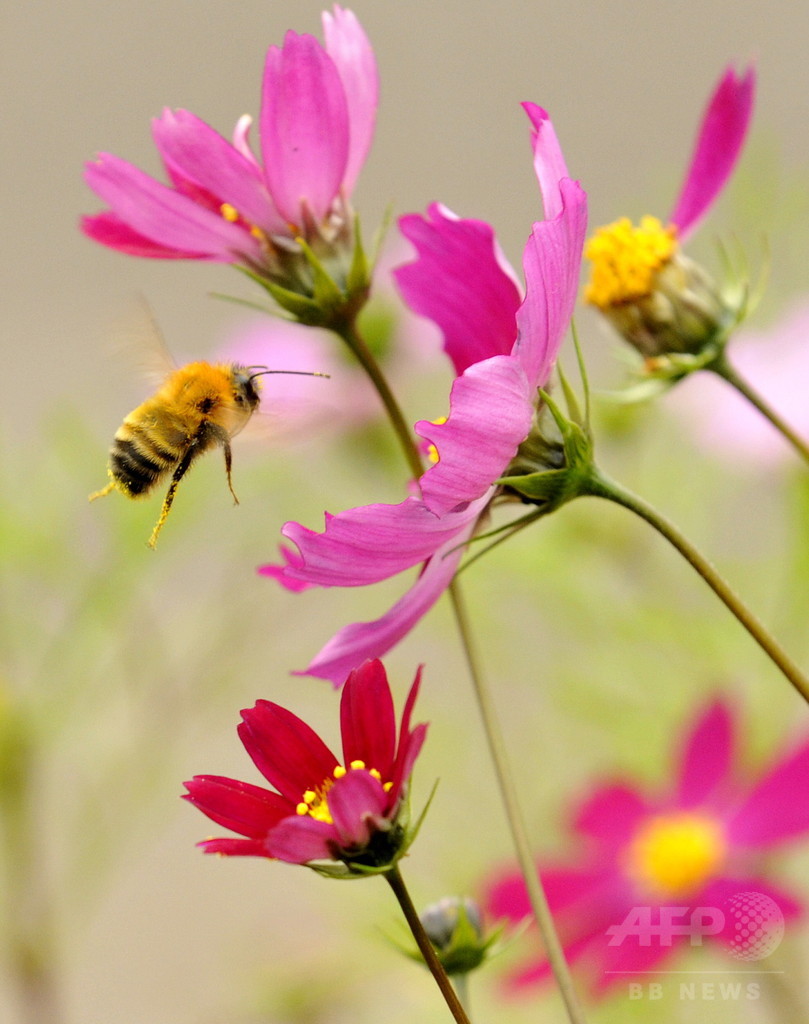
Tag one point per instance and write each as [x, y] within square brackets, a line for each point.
[103, 492]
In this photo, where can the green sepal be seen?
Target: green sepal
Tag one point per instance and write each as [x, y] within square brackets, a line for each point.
[326, 293]
[552, 488]
[358, 280]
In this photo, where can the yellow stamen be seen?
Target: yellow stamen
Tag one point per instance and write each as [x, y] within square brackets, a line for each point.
[229, 212]
[432, 451]
[315, 802]
[626, 260]
[673, 855]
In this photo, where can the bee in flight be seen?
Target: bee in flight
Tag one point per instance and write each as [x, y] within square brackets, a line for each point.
[199, 406]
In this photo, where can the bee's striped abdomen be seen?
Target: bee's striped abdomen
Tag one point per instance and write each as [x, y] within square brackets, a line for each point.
[137, 460]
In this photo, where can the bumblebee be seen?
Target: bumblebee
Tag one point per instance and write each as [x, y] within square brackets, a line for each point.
[199, 406]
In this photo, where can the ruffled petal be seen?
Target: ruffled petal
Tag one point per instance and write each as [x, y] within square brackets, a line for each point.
[777, 809]
[367, 718]
[239, 806]
[491, 411]
[551, 263]
[706, 761]
[194, 150]
[349, 48]
[721, 137]
[549, 163]
[363, 640]
[290, 557]
[304, 127]
[462, 282]
[370, 543]
[165, 216]
[288, 753]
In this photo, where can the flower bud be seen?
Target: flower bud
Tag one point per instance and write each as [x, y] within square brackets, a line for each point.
[454, 927]
[659, 300]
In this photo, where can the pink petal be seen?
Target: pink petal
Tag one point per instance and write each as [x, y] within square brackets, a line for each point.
[304, 127]
[356, 803]
[194, 150]
[367, 718]
[108, 229]
[627, 960]
[611, 814]
[721, 136]
[349, 48]
[724, 893]
[288, 753]
[462, 282]
[549, 163]
[777, 809]
[239, 806]
[165, 216]
[301, 838]
[370, 543]
[551, 263]
[491, 411]
[706, 760]
[278, 572]
[363, 640]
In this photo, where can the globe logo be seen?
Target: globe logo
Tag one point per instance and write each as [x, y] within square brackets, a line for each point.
[755, 925]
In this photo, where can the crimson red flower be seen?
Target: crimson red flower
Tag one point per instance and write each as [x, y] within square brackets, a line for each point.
[351, 813]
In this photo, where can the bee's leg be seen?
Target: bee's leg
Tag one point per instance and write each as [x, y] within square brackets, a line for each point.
[228, 464]
[179, 473]
[104, 491]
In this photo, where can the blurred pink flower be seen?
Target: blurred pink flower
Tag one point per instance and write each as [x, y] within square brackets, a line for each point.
[776, 362]
[323, 810]
[651, 873]
[318, 111]
[503, 348]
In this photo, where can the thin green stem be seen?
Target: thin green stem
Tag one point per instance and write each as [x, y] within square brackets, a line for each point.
[601, 486]
[396, 882]
[723, 369]
[352, 337]
[508, 793]
[533, 884]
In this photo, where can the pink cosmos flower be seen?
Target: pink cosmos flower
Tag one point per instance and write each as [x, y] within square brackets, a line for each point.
[323, 810]
[318, 111]
[503, 347]
[652, 873]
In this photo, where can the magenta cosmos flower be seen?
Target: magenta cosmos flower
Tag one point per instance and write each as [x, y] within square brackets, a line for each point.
[318, 110]
[350, 812]
[657, 299]
[503, 347]
[652, 874]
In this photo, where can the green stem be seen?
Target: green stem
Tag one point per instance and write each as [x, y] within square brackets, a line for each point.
[508, 792]
[723, 369]
[426, 948]
[536, 893]
[601, 486]
[352, 337]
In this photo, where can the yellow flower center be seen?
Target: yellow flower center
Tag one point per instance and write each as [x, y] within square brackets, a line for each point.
[674, 854]
[315, 802]
[626, 260]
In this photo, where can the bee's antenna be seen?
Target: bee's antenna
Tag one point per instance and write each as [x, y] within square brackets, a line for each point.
[300, 373]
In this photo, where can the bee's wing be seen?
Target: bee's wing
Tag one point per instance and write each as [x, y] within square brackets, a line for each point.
[139, 345]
